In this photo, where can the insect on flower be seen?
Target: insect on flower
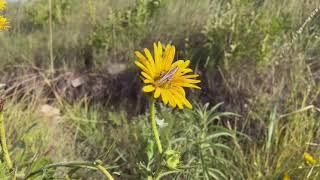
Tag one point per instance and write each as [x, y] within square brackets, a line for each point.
[167, 75]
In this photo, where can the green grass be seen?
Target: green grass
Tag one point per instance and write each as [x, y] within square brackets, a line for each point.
[246, 56]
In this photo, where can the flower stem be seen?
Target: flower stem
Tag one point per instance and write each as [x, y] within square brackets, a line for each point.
[4, 142]
[105, 172]
[89, 165]
[154, 124]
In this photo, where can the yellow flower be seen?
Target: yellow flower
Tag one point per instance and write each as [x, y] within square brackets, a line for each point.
[310, 160]
[166, 78]
[2, 4]
[4, 24]
[286, 176]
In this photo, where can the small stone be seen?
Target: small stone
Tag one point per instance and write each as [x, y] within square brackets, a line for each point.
[2, 85]
[49, 111]
[77, 82]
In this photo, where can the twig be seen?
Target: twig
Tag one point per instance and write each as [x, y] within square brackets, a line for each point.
[51, 38]
[299, 111]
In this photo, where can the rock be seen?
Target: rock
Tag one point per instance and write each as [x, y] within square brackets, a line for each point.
[49, 111]
[77, 82]
[2, 86]
[114, 69]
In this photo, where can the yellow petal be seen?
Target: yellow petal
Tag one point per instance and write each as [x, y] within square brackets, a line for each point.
[166, 51]
[157, 93]
[185, 64]
[185, 71]
[193, 81]
[145, 63]
[171, 55]
[177, 63]
[140, 56]
[146, 76]
[164, 96]
[160, 48]
[160, 56]
[147, 81]
[183, 100]
[156, 54]
[191, 76]
[180, 90]
[187, 85]
[141, 66]
[177, 98]
[165, 56]
[187, 103]
[167, 97]
[168, 56]
[171, 99]
[148, 88]
[182, 79]
[181, 64]
[149, 56]
[180, 106]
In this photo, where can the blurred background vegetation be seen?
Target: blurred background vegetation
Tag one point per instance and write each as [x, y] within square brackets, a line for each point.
[248, 54]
